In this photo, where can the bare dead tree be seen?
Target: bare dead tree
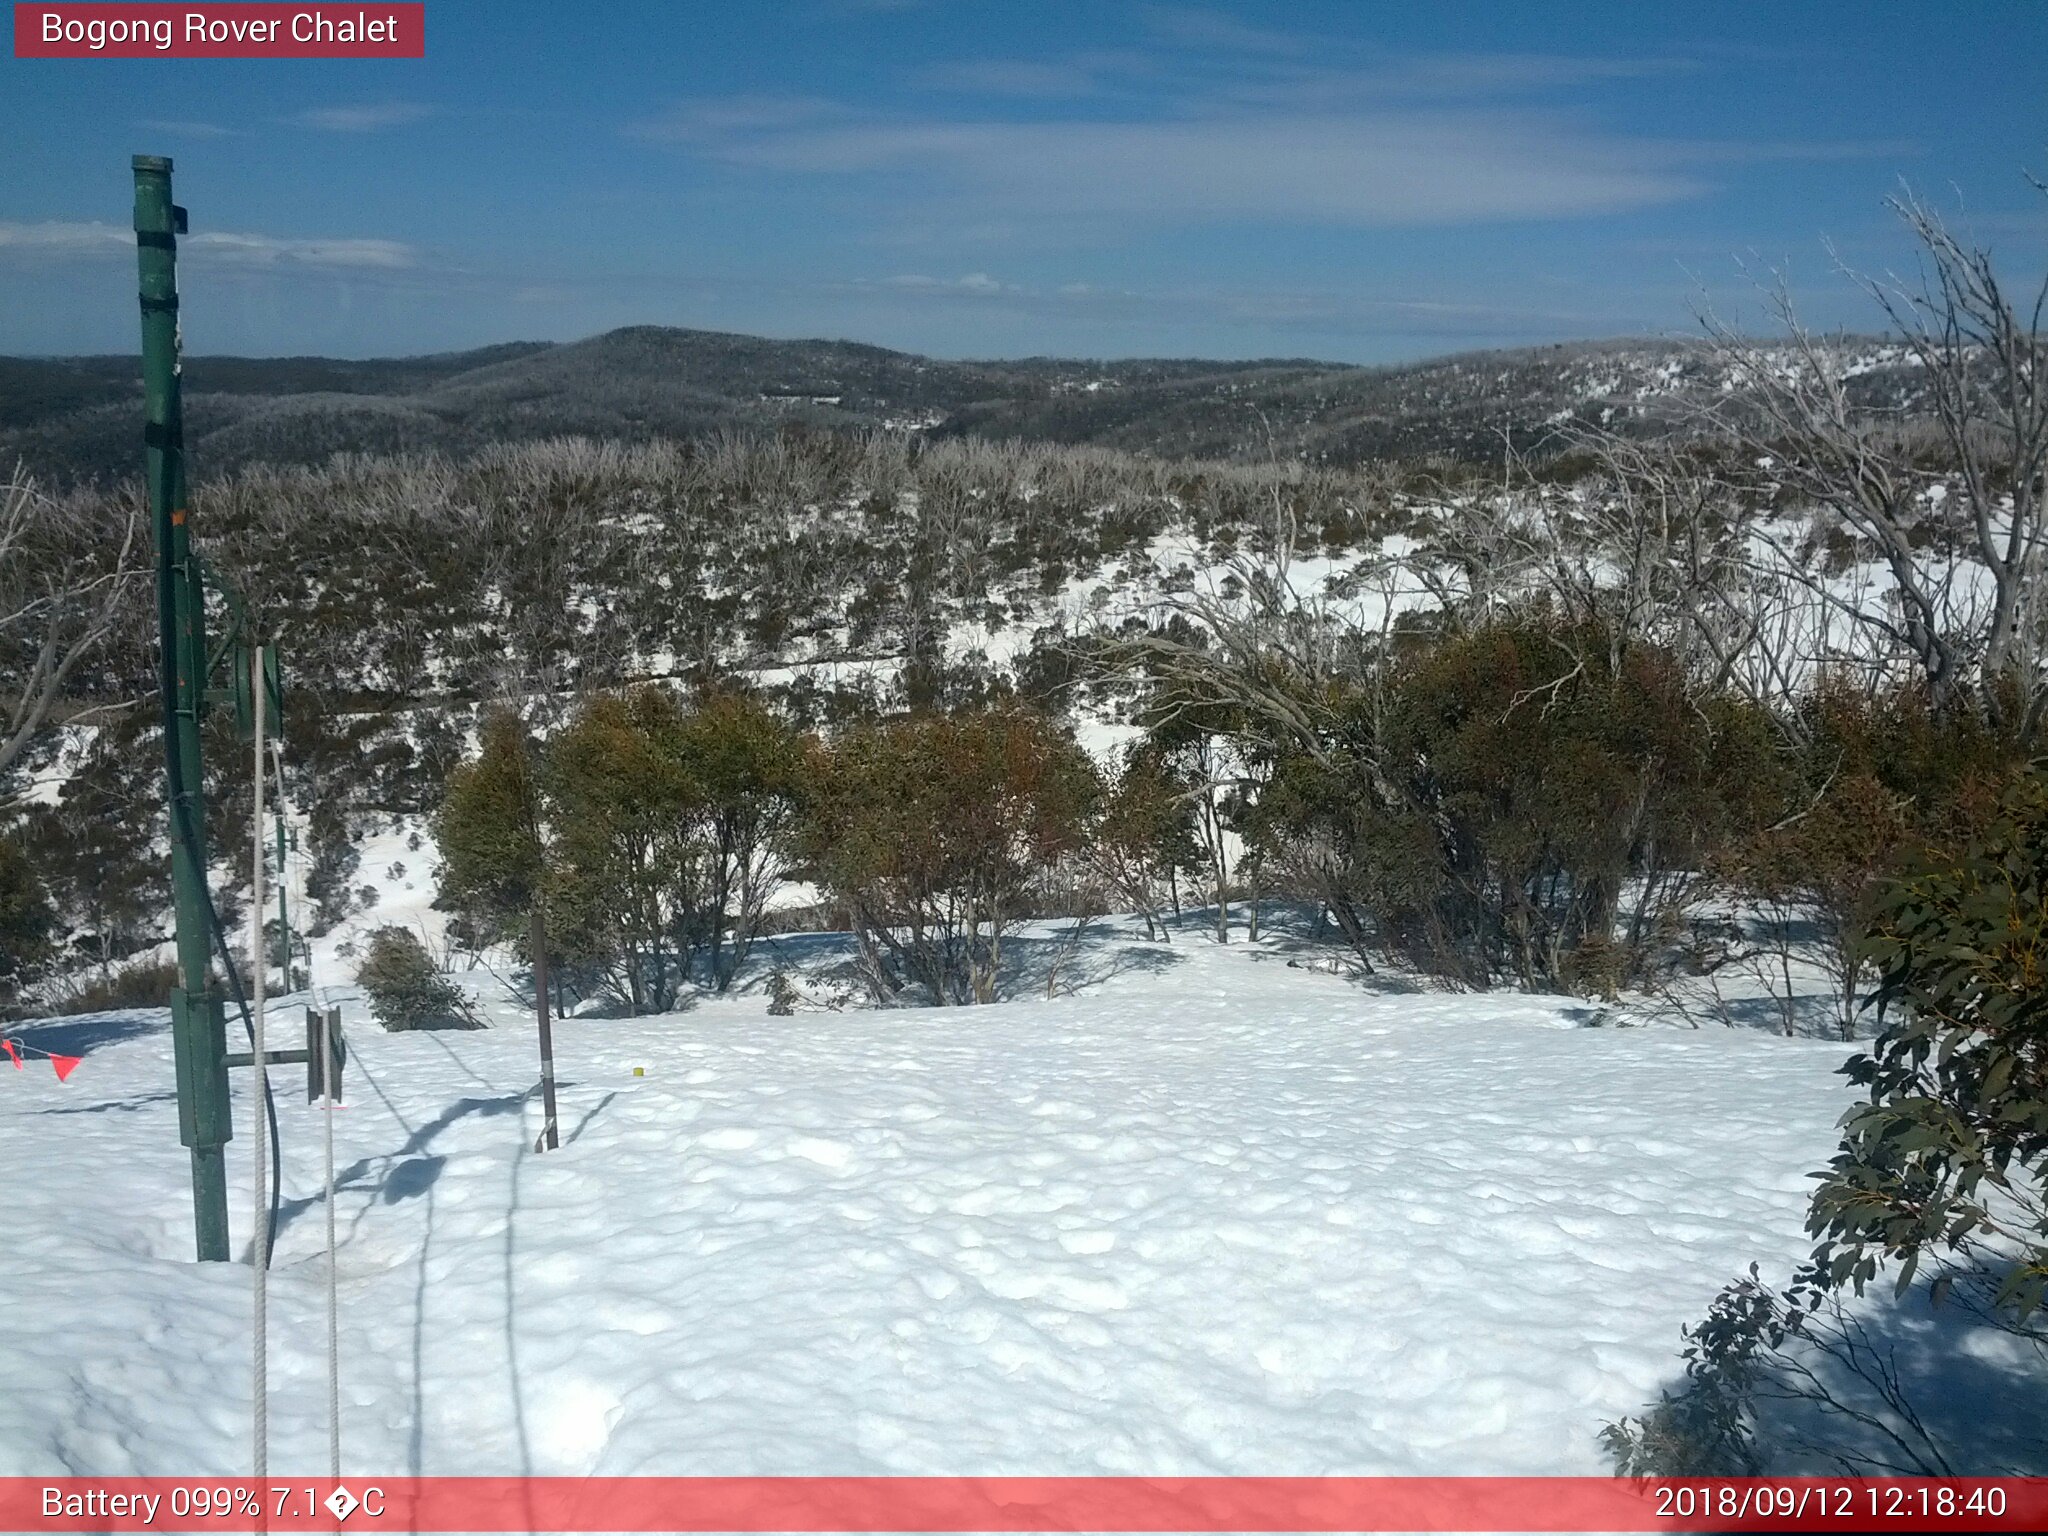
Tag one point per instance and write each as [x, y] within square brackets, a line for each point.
[55, 608]
[1983, 355]
[1662, 549]
[1963, 542]
[1244, 640]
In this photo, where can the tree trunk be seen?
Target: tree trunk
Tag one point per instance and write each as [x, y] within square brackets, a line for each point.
[1222, 888]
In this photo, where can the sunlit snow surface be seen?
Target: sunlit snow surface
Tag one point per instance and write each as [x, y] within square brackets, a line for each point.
[1209, 1213]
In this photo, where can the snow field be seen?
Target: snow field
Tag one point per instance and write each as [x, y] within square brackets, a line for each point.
[1212, 1215]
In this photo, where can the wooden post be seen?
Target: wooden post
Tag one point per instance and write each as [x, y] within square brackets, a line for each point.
[537, 940]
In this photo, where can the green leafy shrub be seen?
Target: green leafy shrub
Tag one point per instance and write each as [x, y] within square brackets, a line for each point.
[405, 989]
[1515, 794]
[1872, 777]
[1943, 1163]
[1947, 1158]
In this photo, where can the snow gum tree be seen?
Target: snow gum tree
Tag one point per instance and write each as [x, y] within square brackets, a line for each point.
[1957, 517]
[492, 833]
[623, 803]
[1144, 833]
[673, 825]
[930, 831]
[66, 567]
[1870, 778]
[489, 831]
[746, 766]
[1522, 800]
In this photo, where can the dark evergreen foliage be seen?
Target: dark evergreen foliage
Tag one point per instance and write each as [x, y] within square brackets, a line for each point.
[404, 987]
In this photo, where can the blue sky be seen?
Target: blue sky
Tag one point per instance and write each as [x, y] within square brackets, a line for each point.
[1355, 181]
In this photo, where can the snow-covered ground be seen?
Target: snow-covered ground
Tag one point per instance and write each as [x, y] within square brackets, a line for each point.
[1211, 1213]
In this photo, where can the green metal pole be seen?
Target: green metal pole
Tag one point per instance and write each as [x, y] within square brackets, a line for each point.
[198, 1027]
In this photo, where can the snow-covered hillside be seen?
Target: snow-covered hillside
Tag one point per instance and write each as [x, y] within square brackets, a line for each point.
[1210, 1213]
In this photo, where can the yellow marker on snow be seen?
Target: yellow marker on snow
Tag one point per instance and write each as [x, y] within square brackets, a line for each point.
[639, 1071]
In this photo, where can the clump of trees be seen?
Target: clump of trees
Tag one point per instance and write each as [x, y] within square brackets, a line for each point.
[651, 833]
[1524, 738]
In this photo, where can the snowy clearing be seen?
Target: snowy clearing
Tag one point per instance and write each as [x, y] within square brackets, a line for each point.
[1215, 1214]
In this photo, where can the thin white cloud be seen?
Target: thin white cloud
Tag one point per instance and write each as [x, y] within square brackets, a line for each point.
[1497, 74]
[1388, 168]
[1187, 27]
[62, 240]
[1331, 78]
[184, 130]
[66, 239]
[724, 119]
[1012, 77]
[368, 117]
[1278, 311]
[271, 251]
[969, 285]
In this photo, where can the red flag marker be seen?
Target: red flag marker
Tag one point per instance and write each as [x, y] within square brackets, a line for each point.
[64, 1064]
[14, 1051]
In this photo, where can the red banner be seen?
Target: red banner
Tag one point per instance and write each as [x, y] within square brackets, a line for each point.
[102, 31]
[929, 1504]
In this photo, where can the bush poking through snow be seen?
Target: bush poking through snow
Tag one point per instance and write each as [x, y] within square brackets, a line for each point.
[1943, 1163]
[405, 990]
[139, 984]
[1799, 1380]
[1947, 1159]
[650, 831]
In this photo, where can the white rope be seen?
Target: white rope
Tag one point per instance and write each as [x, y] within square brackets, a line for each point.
[288, 875]
[333, 1308]
[260, 1249]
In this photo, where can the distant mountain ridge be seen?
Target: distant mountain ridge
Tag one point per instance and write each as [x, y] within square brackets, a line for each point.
[76, 418]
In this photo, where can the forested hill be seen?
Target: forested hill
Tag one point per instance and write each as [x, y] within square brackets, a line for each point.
[71, 419]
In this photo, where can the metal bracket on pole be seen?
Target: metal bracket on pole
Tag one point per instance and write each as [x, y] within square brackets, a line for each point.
[324, 1078]
[316, 1073]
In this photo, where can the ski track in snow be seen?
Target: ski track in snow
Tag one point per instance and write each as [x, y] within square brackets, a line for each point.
[1222, 1217]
